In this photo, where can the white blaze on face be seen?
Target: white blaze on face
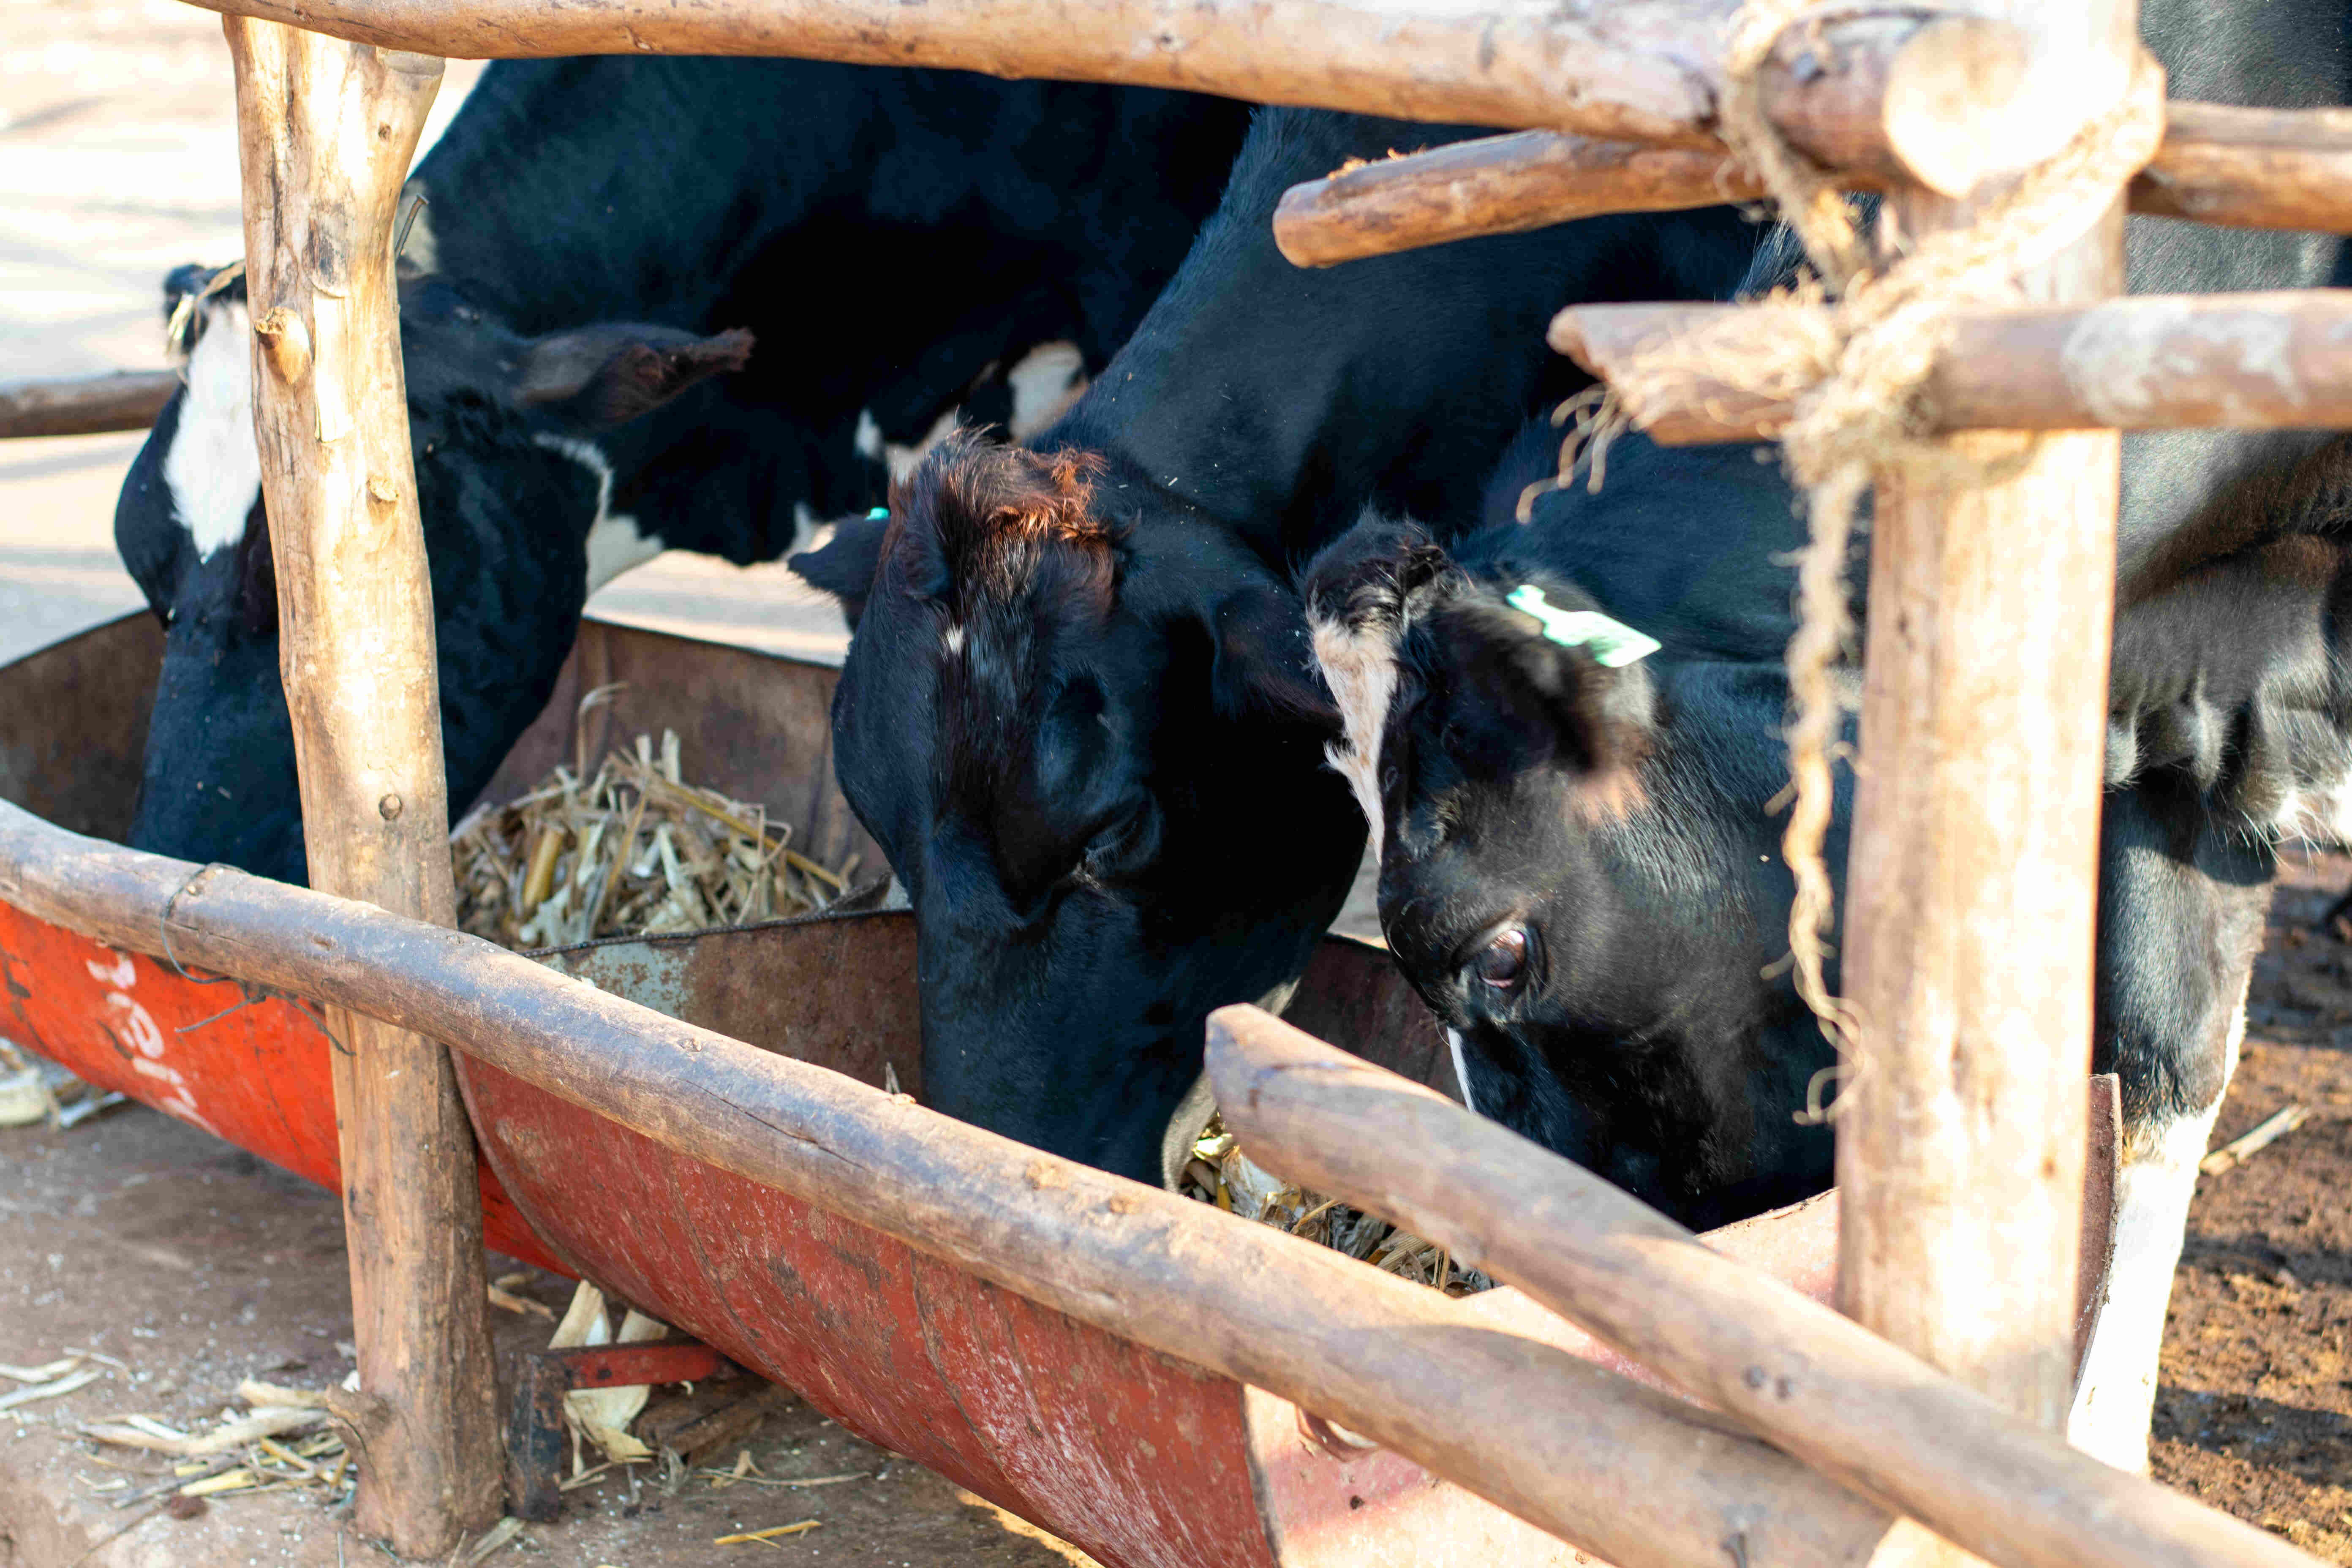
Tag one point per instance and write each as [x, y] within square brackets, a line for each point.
[1461, 1067]
[2115, 1395]
[1359, 666]
[213, 471]
[615, 543]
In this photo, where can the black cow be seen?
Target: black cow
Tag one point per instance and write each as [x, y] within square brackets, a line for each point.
[1078, 711]
[899, 242]
[1580, 870]
[1580, 873]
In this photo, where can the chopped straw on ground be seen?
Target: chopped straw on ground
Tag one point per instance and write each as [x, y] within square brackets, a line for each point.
[1219, 1173]
[633, 850]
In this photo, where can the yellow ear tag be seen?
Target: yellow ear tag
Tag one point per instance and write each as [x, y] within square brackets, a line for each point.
[1611, 643]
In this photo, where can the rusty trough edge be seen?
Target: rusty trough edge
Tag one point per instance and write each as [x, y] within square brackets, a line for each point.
[1641, 1478]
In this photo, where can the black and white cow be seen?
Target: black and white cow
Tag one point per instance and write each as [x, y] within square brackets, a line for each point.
[1579, 869]
[900, 243]
[1078, 711]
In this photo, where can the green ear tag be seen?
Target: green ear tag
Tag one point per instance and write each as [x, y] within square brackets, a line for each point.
[878, 514]
[1611, 643]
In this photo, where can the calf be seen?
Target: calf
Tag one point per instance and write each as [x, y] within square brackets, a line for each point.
[1077, 711]
[1579, 871]
[570, 199]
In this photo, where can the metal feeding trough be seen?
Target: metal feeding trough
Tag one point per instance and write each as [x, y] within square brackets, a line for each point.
[1138, 1457]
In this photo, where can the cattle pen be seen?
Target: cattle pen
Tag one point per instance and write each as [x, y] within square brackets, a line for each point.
[1924, 1422]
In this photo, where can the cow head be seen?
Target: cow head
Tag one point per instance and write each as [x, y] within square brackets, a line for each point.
[1579, 871]
[1082, 720]
[509, 437]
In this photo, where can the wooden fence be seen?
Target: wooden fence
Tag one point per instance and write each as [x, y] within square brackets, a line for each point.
[1972, 881]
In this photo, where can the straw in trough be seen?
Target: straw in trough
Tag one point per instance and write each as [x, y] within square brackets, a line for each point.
[632, 850]
[1219, 1173]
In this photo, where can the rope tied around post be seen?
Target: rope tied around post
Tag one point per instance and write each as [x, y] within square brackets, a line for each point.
[1849, 350]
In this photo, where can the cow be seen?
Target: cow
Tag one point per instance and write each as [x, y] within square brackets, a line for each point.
[1078, 711]
[599, 244]
[1580, 867]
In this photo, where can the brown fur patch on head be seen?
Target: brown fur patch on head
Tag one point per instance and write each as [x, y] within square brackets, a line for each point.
[981, 524]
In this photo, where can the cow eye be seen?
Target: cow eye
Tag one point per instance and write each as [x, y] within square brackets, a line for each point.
[1129, 839]
[1502, 964]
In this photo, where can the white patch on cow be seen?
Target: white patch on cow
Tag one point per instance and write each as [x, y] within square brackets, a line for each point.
[1048, 379]
[213, 469]
[1359, 666]
[868, 440]
[2115, 1395]
[615, 543]
[1461, 1067]
[2320, 814]
[901, 460]
[954, 639]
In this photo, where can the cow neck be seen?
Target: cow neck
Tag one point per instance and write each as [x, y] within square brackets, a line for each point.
[1282, 399]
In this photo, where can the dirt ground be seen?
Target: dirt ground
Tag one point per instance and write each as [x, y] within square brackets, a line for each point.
[2255, 1409]
[195, 1265]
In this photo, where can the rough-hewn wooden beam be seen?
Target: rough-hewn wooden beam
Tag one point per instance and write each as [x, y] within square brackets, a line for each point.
[1642, 1479]
[2247, 168]
[1791, 1369]
[1877, 87]
[84, 405]
[2151, 362]
[325, 131]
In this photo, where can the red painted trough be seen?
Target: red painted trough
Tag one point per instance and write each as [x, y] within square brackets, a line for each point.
[1137, 1457]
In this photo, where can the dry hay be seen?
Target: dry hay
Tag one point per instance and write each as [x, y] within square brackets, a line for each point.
[1219, 1173]
[632, 850]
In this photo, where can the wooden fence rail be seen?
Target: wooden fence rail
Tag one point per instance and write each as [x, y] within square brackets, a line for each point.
[1816, 1383]
[2245, 168]
[84, 405]
[1895, 88]
[1637, 1477]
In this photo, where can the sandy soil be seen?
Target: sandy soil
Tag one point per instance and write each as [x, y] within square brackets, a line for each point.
[195, 1266]
[118, 162]
[2254, 1411]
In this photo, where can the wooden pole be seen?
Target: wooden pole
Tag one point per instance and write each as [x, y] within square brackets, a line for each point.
[325, 131]
[1972, 873]
[1638, 1476]
[2149, 361]
[1832, 1393]
[84, 405]
[2247, 168]
[1860, 86]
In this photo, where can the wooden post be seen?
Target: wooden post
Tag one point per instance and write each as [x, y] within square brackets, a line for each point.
[325, 131]
[1972, 873]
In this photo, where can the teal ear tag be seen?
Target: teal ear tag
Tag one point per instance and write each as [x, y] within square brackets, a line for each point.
[1611, 643]
[878, 514]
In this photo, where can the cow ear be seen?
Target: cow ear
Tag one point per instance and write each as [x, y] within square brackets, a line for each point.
[612, 372]
[1264, 659]
[846, 564]
[1367, 582]
[1583, 683]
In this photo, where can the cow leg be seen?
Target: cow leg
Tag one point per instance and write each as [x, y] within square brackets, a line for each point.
[2181, 907]
[2115, 1398]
